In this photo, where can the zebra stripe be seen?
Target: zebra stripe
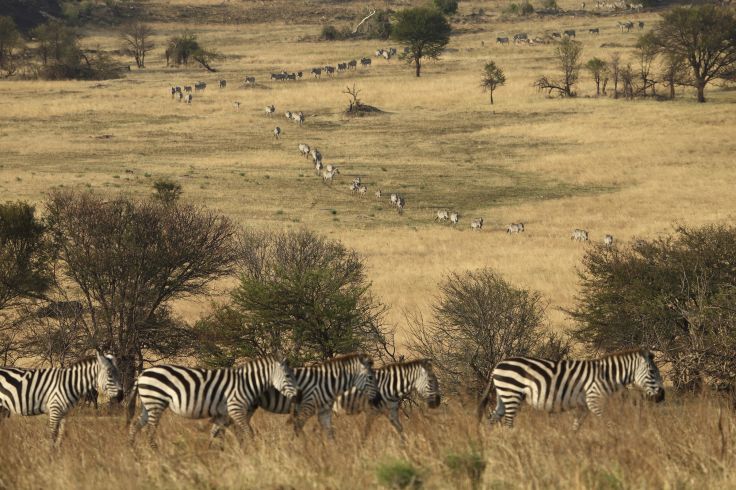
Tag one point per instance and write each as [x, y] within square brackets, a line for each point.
[56, 390]
[320, 385]
[225, 395]
[555, 386]
[395, 382]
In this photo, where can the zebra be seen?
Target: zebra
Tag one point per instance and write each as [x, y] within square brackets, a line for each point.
[328, 175]
[188, 98]
[394, 199]
[277, 132]
[236, 105]
[556, 34]
[454, 218]
[362, 191]
[342, 66]
[378, 194]
[608, 240]
[199, 86]
[378, 53]
[442, 216]
[356, 181]
[55, 391]
[476, 224]
[569, 33]
[330, 70]
[304, 149]
[400, 203]
[395, 382]
[392, 51]
[555, 386]
[521, 37]
[173, 92]
[278, 76]
[366, 62]
[222, 83]
[579, 235]
[594, 30]
[187, 88]
[387, 55]
[291, 76]
[316, 155]
[179, 96]
[288, 115]
[641, 24]
[224, 395]
[250, 80]
[298, 118]
[352, 64]
[319, 385]
[270, 110]
[318, 167]
[502, 40]
[317, 72]
[515, 228]
[331, 168]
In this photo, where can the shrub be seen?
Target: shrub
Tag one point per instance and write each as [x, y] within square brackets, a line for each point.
[329, 33]
[479, 319]
[523, 9]
[299, 294]
[470, 465]
[550, 5]
[166, 190]
[674, 295]
[447, 7]
[398, 474]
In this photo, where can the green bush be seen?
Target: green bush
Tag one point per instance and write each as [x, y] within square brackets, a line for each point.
[398, 474]
[470, 465]
[166, 190]
[447, 7]
[329, 33]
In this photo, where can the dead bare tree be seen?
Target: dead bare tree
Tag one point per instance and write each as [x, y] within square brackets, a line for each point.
[137, 42]
[568, 54]
[355, 31]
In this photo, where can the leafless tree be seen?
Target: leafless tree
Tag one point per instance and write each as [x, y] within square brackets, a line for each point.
[614, 70]
[568, 54]
[137, 42]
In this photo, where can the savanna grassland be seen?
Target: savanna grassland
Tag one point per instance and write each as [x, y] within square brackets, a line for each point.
[628, 168]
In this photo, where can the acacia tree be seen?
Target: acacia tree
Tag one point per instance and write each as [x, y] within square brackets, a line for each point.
[568, 54]
[136, 38]
[424, 31]
[128, 260]
[704, 36]
[492, 78]
[674, 72]
[185, 47]
[10, 40]
[597, 68]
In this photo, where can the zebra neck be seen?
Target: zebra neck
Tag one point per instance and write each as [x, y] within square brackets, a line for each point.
[617, 372]
[83, 378]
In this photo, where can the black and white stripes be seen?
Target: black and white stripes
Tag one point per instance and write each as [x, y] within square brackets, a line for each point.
[562, 385]
[224, 395]
[55, 391]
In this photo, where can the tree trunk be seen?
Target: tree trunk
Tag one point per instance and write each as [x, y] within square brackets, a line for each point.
[700, 85]
[597, 86]
[418, 62]
[491, 97]
[672, 90]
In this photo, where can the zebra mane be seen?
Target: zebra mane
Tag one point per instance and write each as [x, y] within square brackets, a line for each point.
[84, 361]
[634, 350]
[344, 358]
[425, 363]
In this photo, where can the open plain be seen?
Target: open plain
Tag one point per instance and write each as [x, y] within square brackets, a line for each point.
[627, 168]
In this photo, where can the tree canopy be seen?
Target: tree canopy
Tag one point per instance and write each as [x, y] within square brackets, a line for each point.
[424, 31]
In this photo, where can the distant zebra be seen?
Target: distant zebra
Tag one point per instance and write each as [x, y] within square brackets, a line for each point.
[277, 132]
[394, 199]
[569, 33]
[608, 240]
[224, 395]
[362, 191]
[387, 55]
[188, 98]
[352, 64]
[328, 175]
[554, 386]
[222, 83]
[442, 216]
[395, 382]
[579, 235]
[291, 76]
[477, 224]
[199, 86]
[400, 204]
[270, 109]
[316, 155]
[318, 166]
[595, 31]
[515, 228]
[365, 62]
[641, 24]
[378, 194]
[319, 386]
[288, 115]
[55, 391]
[250, 80]
[298, 118]
[304, 149]
[278, 76]
[502, 40]
[454, 218]
[236, 105]
[187, 88]
[317, 72]
[342, 66]
[521, 37]
[330, 70]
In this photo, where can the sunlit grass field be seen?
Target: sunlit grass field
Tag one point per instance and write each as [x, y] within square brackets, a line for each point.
[628, 168]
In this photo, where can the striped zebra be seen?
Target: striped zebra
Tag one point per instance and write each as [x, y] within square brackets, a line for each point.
[395, 382]
[515, 228]
[365, 62]
[554, 386]
[579, 235]
[476, 224]
[224, 395]
[55, 391]
[222, 83]
[320, 385]
[277, 132]
[454, 218]
[270, 109]
[608, 240]
[304, 149]
[378, 194]
[298, 118]
[442, 216]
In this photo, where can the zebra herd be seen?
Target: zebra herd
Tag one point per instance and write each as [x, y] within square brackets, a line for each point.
[523, 37]
[581, 235]
[317, 71]
[347, 384]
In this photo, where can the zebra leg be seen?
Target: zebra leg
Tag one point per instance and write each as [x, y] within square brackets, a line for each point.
[219, 426]
[393, 416]
[370, 417]
[580, 416]
[137, 425]
[238, 414]
[593, 400]
[154, 417]
[325, 419]
[509, 408]
[4, 413]
[56, 415]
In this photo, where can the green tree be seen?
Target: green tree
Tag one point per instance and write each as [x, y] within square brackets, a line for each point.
[185, 47]
[425, 31]
[597, 68]
[10, 40]
[447, 7]
[299, 294]
[166, 190]
[492, 78]
[704, 36]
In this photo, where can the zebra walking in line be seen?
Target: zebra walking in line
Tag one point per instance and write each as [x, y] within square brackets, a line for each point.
[554, 386]
[395, 382]
[224, 395]
[56, 390]
[319, 386]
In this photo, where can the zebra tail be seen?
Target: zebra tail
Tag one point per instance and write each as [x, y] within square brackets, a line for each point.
[130, 402]
[488, 394]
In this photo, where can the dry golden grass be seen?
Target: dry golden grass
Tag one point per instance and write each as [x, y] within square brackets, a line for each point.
[676, 445]
[626, 168]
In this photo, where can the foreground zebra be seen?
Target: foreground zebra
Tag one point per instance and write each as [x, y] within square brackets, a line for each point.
[555, 386]
[395, 382]
[319, 387]
[56, 390]
[225, 395]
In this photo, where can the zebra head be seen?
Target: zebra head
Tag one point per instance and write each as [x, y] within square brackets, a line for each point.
[282, 378]
[647, 377]
[365, 380]
[427, 385]
[108, 378]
